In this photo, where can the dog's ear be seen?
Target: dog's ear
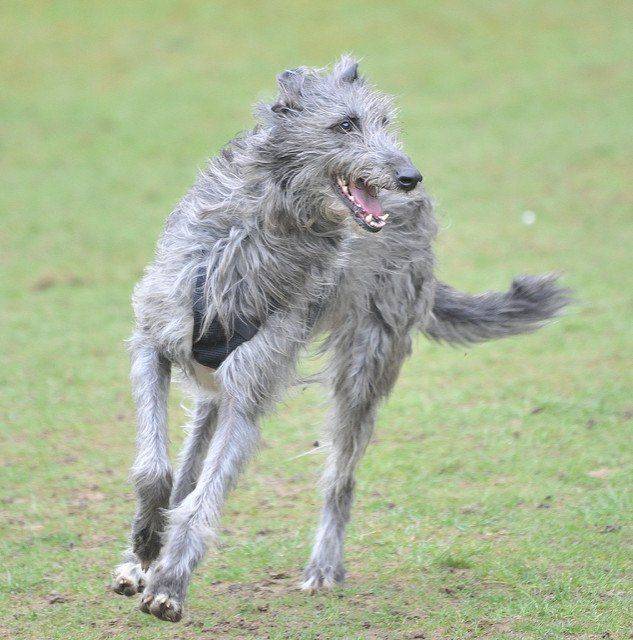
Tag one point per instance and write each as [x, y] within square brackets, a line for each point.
[346, 69]
[290, 86]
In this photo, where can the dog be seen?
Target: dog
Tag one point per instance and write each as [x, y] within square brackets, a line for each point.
[315, 222]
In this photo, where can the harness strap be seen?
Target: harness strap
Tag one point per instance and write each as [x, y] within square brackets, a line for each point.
[213, 347]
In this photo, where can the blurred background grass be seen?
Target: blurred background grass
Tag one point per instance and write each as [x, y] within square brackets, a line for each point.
[495, 501]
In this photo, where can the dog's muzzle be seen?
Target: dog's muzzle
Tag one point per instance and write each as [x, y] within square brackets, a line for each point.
[407, 177]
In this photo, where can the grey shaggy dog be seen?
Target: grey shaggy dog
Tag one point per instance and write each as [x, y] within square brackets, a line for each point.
[288, 226]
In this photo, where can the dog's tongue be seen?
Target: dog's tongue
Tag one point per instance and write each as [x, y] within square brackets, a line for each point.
[366, 201]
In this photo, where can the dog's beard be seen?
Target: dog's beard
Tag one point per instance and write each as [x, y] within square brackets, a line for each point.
[338, 213]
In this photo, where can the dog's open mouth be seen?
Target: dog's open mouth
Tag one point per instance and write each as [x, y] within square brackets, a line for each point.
[361, 199]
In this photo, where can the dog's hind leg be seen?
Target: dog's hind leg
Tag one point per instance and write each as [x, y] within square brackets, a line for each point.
[151, 471]
[350, 434]
[366, 361]
[199, 433]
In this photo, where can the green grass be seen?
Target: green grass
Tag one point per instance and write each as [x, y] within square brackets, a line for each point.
[495, 501]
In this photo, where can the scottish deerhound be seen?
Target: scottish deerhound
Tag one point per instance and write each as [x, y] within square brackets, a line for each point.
[285, 236]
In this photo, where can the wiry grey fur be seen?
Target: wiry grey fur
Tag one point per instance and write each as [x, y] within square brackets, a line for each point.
[264, 220]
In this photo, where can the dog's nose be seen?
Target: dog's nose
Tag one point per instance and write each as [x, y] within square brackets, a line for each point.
[408, 177]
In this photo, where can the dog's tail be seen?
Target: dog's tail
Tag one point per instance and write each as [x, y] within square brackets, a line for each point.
[461, 318]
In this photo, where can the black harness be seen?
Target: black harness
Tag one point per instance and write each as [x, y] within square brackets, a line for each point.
[213, 347]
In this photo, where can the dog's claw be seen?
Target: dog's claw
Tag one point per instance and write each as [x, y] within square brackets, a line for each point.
[124, 587]
[128, 580]
[145, 602]
[162, 606]
[322, 579]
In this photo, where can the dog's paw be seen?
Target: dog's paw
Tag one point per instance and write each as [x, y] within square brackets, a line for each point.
[162, 605]
[164, 594]
[322, 578]
[128, 579]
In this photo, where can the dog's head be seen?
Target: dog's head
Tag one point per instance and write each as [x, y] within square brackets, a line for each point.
[332, 145]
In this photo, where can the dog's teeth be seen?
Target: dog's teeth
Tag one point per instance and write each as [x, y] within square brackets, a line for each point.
[369, 218]
[384, 216]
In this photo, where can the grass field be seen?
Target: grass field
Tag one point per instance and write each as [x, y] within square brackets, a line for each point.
[495, 501]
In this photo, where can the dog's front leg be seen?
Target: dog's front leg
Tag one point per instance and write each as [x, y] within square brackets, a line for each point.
[195, 521]
[151, 472]
[249, 381]
[200, 431]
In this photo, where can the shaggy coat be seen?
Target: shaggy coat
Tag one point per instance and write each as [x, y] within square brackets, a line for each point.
[288, 226]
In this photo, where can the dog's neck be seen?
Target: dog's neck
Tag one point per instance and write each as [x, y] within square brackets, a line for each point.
[275, 192]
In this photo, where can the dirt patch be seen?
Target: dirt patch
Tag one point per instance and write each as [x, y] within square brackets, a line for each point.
[49, 280]
[55, 598]
[601, 473]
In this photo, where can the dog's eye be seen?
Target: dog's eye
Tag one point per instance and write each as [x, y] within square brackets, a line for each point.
[346, 125]
[384, 121]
